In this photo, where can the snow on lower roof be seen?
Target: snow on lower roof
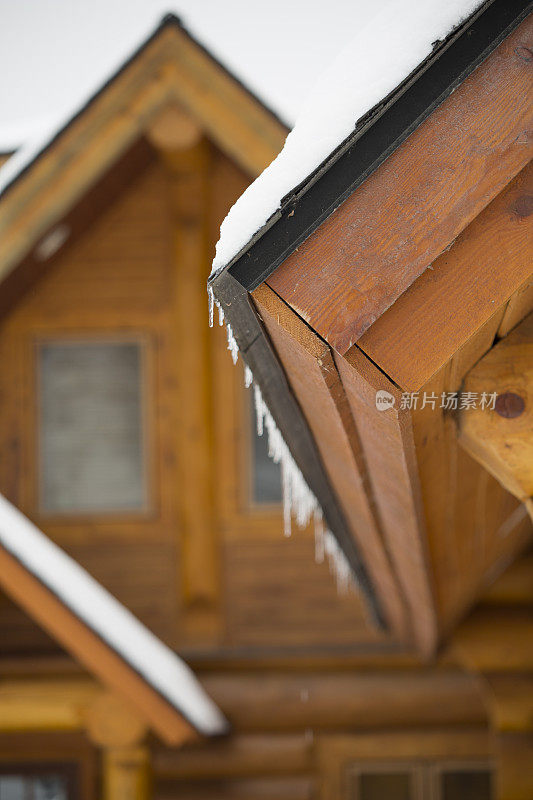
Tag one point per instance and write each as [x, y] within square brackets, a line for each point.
[108, 618]
[383, 52]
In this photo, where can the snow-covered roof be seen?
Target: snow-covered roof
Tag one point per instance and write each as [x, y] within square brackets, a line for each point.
[385, 49]
[105, 616]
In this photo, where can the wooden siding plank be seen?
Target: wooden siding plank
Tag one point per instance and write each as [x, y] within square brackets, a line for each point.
[395, 225]
[238, 756]
[347, 700]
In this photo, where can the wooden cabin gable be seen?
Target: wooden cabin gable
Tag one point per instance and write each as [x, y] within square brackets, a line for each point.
[407, 283]
[196, 559]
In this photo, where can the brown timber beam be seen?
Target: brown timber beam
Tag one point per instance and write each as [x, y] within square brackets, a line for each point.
[501, 438]
[186, 156]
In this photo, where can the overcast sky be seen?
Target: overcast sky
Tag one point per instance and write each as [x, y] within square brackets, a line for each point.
[55, 53]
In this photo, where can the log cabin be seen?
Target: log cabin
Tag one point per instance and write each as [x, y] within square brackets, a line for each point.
[130, 458]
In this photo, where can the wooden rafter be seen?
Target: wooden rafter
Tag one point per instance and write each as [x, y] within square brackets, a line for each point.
[500, 436]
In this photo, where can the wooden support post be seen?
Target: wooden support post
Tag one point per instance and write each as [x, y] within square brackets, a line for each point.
[500, 435]
[186, 156]
[126, 773]
[119, 733]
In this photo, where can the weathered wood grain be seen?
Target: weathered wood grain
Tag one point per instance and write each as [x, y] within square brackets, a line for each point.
[395, 225]
[489, 262]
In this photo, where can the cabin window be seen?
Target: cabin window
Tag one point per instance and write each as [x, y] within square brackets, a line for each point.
[421, 781]
[377, 785]
[34, 787]
[456, 784]
[91, 437]
[265, 474]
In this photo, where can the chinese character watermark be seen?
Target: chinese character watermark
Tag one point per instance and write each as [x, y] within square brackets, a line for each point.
[448, 401]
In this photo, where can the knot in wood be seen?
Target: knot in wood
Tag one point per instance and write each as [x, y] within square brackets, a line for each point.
[509, 405]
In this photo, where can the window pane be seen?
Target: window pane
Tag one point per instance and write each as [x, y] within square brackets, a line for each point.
[466, 785]
[91, 427]
[19, 787]
[266, 475]
[381, 785]
[49, 788]
[12, 788]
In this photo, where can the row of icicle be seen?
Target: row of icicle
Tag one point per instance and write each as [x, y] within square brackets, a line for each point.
[298, 499]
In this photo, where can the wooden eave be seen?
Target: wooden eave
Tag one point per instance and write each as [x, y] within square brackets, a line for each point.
[171, 68]
[98, 656]
[111, 643]
[371, 316]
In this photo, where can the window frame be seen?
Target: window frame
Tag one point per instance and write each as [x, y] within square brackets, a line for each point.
[355, 771]
[437, 768]
[426, 771]
[148, 428]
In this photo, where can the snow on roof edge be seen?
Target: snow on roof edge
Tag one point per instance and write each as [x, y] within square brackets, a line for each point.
[364, 78]
[163, 669]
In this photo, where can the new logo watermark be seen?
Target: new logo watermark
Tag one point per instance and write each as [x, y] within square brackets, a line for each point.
[384, 400]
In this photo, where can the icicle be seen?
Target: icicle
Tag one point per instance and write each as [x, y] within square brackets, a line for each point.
[211, 300]
[319, 537]
[233, 347]
[298, 499]
[286, 487]
[248, 376]
[258, 399]
[338, 563]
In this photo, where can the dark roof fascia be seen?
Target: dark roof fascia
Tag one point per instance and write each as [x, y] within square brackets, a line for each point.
[375, 138]
[260, 356]
[168, 21]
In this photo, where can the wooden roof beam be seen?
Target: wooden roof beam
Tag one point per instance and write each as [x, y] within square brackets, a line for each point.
[500, 436]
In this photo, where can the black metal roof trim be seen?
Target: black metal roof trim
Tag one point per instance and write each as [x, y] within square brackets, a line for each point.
[382, 131]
